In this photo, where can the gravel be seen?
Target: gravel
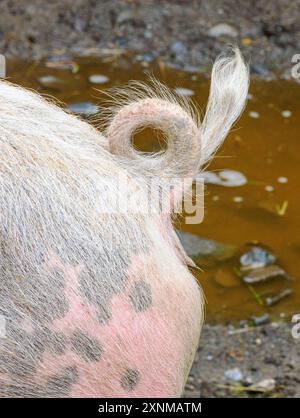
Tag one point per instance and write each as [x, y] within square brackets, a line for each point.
[261, 354]
[187, 35]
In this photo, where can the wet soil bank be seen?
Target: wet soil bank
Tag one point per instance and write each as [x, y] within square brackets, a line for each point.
[184, 33]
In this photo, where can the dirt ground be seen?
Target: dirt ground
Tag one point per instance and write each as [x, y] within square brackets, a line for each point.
[185, 33]
[188, 35]
[266, 353]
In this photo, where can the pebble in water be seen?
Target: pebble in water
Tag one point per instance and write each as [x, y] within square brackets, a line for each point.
[238, 199]
[272, 300]
[257, 257]
[205, 251]
[83, 108]
[282, 180]
[98, 79]
[262, 274]
[48, 80]
[182, 91]
[269, 189]
[253, 114]
[286, 113]
[260, 320]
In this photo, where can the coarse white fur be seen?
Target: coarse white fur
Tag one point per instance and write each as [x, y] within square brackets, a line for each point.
[99, 303]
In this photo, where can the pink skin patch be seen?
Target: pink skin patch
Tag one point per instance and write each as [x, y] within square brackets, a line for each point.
[143, 341]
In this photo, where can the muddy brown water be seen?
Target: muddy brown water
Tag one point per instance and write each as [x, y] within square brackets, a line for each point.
[264, 146]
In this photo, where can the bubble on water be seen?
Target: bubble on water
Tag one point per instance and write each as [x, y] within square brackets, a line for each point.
[182, 91]
[249, 96]
[253, 114]
[269, 189]
[98, 79]
[286, 113]
[282, 180]
[238, 199]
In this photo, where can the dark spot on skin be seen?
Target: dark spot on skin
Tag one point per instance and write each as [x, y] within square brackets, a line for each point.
[55, 342]
[21, 352]
[58, 343]
[130, 379]
[17, 389]
[61, 383]
[103, 314]
[86, 347]
[57, 386]
[106, 266]
[141, 296]
[99, 282]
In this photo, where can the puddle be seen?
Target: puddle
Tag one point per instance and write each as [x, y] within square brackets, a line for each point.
[264, 146]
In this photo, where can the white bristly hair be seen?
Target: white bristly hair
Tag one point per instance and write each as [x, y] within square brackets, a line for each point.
[98, 303]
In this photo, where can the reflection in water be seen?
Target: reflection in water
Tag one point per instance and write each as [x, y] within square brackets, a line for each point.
[264, 146]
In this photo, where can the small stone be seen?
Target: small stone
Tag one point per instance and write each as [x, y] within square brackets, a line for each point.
[98, 79]
[189, 387]
[269, 189]
[223, 29]
[257, 257]
[178, 48]
[253, 114]
[259, 70]
[148, 34]
[266, 385]
[49, 80]
[124, 17]
[261, 320]
[258, 341]
[282, 180]
[209, 357]
[272, 300]
[148, 58]
[83, 108]
[286, 113]
[205, 251]
[262, 274]
[182, 91]
[248, 381]
[234, 375]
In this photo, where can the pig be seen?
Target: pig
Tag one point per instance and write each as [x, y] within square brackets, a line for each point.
[99, 302]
